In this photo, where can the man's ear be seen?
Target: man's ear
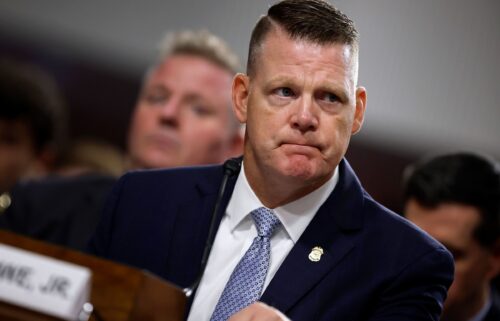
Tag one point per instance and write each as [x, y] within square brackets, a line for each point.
[240, 95]
[359, 113]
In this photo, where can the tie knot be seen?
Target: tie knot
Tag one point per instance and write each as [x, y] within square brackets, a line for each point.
[265, 220]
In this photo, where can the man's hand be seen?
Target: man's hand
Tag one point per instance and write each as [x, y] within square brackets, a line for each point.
[259, 311]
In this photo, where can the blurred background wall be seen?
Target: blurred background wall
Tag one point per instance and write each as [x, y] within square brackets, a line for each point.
[430, 67]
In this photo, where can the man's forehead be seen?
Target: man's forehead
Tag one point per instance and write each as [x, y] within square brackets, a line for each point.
[329, 53]
[302, 58]
[185, 70]
[192, 78]
[453, 217]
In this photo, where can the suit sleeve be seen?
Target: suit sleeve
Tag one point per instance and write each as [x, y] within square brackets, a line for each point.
[102, 238]
[419, 291]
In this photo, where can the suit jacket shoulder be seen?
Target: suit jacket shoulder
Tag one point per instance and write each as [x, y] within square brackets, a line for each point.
[375, 264]
[60, 210]
[158, 220]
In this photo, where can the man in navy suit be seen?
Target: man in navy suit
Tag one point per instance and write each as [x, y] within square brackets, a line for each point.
[331, 251]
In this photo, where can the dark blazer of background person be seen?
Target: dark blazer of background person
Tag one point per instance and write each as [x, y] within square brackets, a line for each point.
[494, 311]
[60, 210]
[375, 266]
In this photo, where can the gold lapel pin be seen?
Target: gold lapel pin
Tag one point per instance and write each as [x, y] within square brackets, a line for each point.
[315, 254]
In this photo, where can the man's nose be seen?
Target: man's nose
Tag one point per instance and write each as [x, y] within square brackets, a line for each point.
[170, 111]
[304, 116]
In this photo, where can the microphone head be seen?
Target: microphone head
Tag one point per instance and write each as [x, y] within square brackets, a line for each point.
[232, 166]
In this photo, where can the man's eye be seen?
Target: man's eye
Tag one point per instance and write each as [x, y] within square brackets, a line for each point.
[329, 97]
[201, 110]
[154, 99]
[285, 92]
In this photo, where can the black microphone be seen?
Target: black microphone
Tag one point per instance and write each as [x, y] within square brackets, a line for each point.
[231, 168]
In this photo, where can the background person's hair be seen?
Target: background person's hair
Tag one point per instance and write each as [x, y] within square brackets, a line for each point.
[29, 94]
[200, 43]
[459, 178]
[313, 20]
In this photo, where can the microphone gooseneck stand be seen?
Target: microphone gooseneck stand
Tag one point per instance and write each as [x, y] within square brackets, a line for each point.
[231, 168]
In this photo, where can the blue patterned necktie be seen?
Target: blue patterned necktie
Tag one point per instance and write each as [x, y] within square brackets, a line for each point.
[247, 280]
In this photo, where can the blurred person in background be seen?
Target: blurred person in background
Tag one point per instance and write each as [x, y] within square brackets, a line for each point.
[183, 116]
[184, 112]
[456, 199]
[32, 125]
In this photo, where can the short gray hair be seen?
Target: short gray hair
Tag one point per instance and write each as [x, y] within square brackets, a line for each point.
[200, 43]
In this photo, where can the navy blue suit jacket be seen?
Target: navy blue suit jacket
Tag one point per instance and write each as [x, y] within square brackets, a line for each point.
[375, 266]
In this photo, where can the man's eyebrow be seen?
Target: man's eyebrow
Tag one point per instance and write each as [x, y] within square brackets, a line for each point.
[154, 87]
[342, 93]
[196, 97]
[282, 80]
[329, 86]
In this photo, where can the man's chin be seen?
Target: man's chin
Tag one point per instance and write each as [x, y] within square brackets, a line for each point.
[300, 167]
[157, 161]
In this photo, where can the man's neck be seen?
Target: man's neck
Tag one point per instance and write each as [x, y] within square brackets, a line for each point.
[469, 311]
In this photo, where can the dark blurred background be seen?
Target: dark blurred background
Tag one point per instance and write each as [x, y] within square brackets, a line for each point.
[430, 67]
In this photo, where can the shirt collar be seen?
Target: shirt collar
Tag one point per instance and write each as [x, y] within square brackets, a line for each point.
[294, 216]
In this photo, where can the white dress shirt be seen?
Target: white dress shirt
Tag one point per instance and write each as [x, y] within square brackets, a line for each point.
[237, 231]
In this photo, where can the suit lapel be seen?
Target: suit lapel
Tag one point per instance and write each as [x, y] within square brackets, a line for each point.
[192, 224]
[341, 213]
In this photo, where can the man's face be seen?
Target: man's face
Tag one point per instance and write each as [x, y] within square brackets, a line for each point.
[453, 225]
[17, 152]
[182, 115]
[300, 106]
